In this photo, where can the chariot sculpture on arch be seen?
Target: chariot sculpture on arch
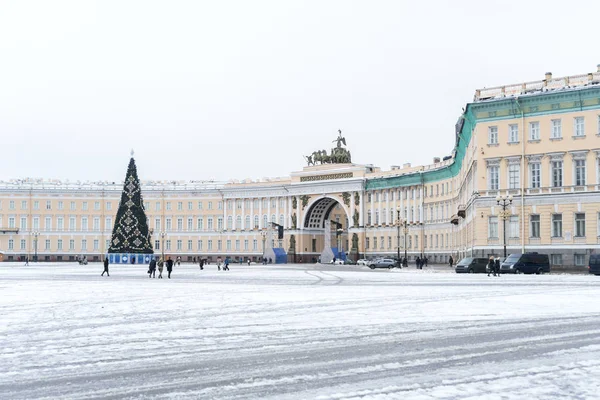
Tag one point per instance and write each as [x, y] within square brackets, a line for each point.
[338, 155]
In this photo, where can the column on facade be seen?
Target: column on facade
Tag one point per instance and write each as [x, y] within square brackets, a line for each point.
[260, 213]
[422, 202]
[243, 214]
[379, 204]
[387, 213]
[408, 205]
[233, 214]
[299, 215]
[252, 213]
[372, 208]
[285, 213]
[361, 211]
[224, 213]
[290, 212]
[401, 203]
[277, 209]
[351, 220]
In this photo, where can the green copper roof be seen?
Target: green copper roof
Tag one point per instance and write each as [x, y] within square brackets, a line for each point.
[542, 103]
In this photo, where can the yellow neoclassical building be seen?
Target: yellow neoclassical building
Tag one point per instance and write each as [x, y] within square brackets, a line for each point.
[533, 147]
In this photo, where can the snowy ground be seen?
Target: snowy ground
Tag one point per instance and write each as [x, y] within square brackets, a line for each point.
[296, 332]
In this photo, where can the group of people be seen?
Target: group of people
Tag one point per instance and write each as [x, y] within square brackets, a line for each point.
[160, 264]
[421, 261]
[493, 266]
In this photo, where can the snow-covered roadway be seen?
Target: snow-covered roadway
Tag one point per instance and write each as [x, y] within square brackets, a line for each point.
[296, 332]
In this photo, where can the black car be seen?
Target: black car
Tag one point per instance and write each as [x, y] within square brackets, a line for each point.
[526, 263]
[471, 265]
[594, 265]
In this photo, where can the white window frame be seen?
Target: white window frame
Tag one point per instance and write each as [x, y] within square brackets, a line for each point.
[579, 126]
[513, 133]
[492, 228]
[534, 130]
[535, 180]
[514, 176]
[492, 135]
[494, 184]
[557, 226]
[579, 172]
[556, 129]
[534, 233]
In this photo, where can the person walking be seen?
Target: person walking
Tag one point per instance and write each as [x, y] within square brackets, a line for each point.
[160, 264]
[105, 267]
[152, 269]
[201, 263]
[425, 260]
[169, 267]
[418, 262]
[497, 266]
[219, 263]
[26, 261]
[450, 261]
[491, 267]
[226, 264]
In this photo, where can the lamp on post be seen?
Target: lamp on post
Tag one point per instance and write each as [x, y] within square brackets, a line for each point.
[35, 238]
[398, 223]
[504, 202]
[263, 233]
[405, 235]
[162, 244]
[339, 232]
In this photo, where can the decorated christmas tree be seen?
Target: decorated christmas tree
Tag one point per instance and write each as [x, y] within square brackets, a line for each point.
[130, 233]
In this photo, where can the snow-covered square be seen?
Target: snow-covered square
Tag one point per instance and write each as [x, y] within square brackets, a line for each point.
[296, 332]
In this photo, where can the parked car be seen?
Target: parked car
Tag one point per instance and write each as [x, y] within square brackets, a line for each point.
[471, 265]
[526, 263]
[337, 262]
[349, 262]
[594, 264]
[383, 263]
[362, 261]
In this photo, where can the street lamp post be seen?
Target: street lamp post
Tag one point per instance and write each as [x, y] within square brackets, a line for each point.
[405, 235]
[162, 244]
[339, 232]
[35, 238]
[398, 223]
[504, 202]
[263, 233]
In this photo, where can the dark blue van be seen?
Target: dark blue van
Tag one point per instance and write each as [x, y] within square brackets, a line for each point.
[594, 265]
[526, 263]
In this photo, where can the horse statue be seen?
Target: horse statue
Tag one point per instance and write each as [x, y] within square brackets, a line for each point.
[309, 160]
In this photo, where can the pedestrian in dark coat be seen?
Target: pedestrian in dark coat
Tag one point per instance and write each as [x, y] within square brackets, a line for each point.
[418, 262]
[152, 269]
[201, 263]
[226, 264]
[497, 266]
[169, 267]
[105, 267]
[491, 267]
[450, 261]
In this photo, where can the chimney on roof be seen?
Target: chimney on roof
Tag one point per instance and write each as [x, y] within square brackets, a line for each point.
[436, 160]
[548, 76]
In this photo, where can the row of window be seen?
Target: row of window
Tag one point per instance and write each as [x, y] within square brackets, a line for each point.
[210, 223]
[409, 241]
[229, 245]
[555, 129]
[535, 227]
[60, 205]
[60, 223]
[535, 174]
[59, 245]
[413, 193]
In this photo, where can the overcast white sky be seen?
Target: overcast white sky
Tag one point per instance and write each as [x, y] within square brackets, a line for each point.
[244, 89]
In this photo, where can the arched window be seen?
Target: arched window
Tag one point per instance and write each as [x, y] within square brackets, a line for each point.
[247, 225]
[256, 221]
[229, 222]
[265, 221]
[238, 222]
[384, 216]
[273, 218]
[281, 218]
[376, 217]
[369, 217]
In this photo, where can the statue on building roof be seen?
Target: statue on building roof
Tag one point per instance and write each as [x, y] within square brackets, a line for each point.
[339, 154]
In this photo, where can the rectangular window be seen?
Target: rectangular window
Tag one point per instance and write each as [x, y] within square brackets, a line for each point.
[179, 205]
[219, 245]
[200, 223]
[179, 244]
[84, 224]
[47, 244]
[23, 223]
[493, 135]
[180, 224]
[85, 206]
[96, 244]
[375, 242]
[168, 244]
[11, 244]
[556, 225]
[200, 247]
[210, 206]
[513, 176]
[220, 223]
[534, 225]
[579, 260]
[96, 205]
[493, 227]
[190, 245]
[513, 133]
[11, 204]
[96, 224]
[157, 245]
[246, 244]
[190, 224]
[367, 242]
[556, 129]
[71, 244]
[168, 224]
[48, 223]
[493, 177]
[36, 205]
[36, 223]
[190, 205]
[534, 131]
[557, 173]
[168, 206]
[382, 242]
[579, 128]
[579, 224]
[579, 172]
[513, 226]
[210, 223]
[210, 244]
[59, 245]
[11, 222]
[108, 223]
[556, 259]
[255, 245]
[60, 224]
[83, 244]
[237, 245]
[24, 205]
[23, 244]
[157, 206]
[48, 205]
[61, 205]
[199, 205]
[72, 206]
[535, 175]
